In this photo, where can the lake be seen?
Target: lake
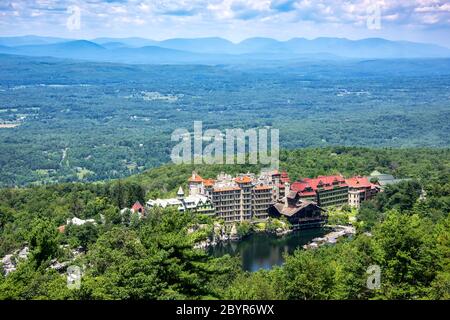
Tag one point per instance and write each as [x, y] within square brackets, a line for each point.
[263, 250]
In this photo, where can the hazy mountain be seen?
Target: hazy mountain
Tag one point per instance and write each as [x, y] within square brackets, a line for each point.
[218, 50]
[258, 44]
[29, 40]
[200, 45]
[365, 48]
[114, 45]
[78, 49]
[132, 42]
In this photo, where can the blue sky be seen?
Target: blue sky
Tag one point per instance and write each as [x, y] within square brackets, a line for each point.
[416, 20]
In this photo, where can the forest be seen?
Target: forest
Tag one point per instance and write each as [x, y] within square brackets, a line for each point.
[71, 121]
[405, 230]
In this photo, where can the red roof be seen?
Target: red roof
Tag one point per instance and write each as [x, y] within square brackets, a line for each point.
[284, 177]
[244, 179]
[358, 182]
[195, 178]
[263, 187]
[137, 207]
[208, 182]
[62, 228]
[308, 186]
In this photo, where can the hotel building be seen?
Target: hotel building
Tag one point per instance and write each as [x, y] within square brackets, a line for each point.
[326, 191]
[243, 197]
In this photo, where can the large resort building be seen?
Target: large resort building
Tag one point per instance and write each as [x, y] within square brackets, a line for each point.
[241, 198]
[335, 190]
[324, 190]
[301, 214]
[254, 197]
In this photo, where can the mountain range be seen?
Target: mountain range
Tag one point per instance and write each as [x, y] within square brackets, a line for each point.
[216, 50]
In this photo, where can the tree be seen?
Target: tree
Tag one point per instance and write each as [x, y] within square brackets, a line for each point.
[43, 241]
[82, 235]
[253, 286]
[307, 275]
[401, 196]
[441, 284]
[408, 257]
[30, 281]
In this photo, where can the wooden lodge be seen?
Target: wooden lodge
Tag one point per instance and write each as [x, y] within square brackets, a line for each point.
[302, 214]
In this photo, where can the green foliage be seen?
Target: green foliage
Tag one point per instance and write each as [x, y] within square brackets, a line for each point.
[43, 241]
[408, 261]
[154, 258]
[89, 121]
[155, 262]
[401, 196]
[32, 282]
[252, 286]
[244, 229]
[83, 235]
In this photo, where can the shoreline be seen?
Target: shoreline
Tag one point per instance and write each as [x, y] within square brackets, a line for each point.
[336, 232]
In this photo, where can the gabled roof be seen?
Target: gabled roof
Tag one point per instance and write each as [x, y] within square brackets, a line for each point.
[358, 182]
[292, 209]
[243, 179]
[137, 206]
[208, 182]
[308, 186]
[195, 177]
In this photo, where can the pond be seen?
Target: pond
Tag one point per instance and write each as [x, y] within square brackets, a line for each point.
[263, 250]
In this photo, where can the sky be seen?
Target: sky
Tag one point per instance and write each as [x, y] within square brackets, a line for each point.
[414, 20]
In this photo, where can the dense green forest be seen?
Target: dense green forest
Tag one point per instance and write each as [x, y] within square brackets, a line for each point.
[404, 230]
[66, 121]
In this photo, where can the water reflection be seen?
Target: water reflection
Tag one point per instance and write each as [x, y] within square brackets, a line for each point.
[263, 251]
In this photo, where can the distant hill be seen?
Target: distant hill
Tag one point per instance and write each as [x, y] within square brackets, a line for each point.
[29, 40]
[132, 42]
[200, 45]
[217, 50]
[78, 49]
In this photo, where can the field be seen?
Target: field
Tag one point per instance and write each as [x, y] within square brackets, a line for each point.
[86, 121]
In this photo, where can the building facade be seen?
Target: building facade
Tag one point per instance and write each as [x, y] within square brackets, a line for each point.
[326, 191]
[243, 197]
[360, 189]
[301, 214]
[196, 203]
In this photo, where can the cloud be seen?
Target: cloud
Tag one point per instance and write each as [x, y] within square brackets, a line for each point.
[283, 5]
[339, 11]
[200, 15]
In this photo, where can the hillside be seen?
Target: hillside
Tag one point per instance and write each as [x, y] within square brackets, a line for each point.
[88, 121]
[129, 258]
[418, 163]
[215, 50]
